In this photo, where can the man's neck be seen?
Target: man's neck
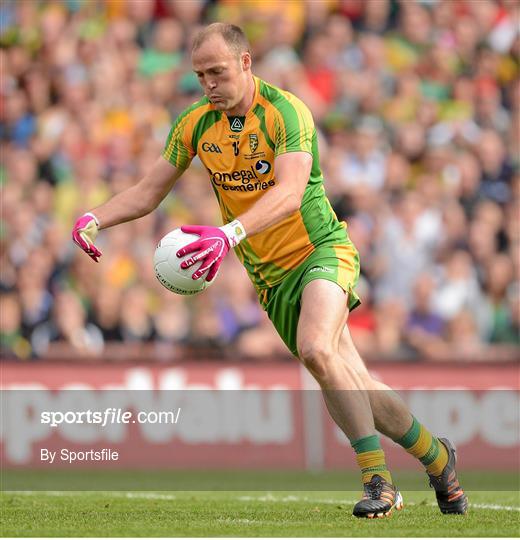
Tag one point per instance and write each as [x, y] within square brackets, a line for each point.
[244, 105]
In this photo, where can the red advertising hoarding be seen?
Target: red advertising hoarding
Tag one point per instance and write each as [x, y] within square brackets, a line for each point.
[252, 416]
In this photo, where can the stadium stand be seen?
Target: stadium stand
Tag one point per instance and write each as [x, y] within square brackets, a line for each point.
[417, 105]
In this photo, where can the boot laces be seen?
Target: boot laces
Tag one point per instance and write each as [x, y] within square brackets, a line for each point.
[374, 488]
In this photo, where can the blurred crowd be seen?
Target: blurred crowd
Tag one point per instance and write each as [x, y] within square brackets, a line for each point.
[417, 106]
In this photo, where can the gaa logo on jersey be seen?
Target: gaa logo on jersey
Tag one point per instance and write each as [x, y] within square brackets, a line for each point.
[211, 147]
[262, 166]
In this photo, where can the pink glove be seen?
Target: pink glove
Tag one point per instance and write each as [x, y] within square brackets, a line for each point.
[84, 234]
[211, 247]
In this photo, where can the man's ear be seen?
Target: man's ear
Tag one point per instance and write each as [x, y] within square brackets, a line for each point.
[246, 61]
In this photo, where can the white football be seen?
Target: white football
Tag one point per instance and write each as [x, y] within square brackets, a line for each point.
[168, 269]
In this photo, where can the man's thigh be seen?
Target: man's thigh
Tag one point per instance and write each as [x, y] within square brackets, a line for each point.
[322, 318]
[336, 264]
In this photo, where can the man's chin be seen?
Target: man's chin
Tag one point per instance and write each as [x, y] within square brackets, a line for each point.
[222, 105]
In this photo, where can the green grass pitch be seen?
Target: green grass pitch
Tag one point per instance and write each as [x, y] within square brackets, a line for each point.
[246, 513]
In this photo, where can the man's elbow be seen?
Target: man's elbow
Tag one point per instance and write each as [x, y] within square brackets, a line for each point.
[149, 200]
[150, 204]
[293, 202]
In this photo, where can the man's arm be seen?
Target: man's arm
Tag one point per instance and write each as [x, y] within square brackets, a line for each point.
[132, 203]
[141, 199]
[293, 137]
[291, 171]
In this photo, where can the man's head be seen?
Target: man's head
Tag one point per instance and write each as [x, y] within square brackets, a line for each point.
[222, 61]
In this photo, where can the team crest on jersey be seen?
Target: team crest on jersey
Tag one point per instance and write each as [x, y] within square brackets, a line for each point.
[253, 146]
[253, 142]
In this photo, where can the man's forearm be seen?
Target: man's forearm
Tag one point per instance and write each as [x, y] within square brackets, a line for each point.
[292, 172]
[125, 206]
[132, 203]
[141, 198]
[273, 207]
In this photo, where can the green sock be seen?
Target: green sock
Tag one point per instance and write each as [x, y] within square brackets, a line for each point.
[427, 448]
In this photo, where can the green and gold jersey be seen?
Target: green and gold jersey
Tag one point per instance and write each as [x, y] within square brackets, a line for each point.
[239, 153]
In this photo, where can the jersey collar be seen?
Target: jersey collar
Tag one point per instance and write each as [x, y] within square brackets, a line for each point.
[255, 97]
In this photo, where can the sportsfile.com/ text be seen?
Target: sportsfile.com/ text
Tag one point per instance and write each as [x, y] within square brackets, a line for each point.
[111, 415]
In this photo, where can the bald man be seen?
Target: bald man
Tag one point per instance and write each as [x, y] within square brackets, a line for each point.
[259, 146]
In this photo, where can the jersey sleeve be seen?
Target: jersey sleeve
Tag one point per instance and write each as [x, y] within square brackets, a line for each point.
[178, 150]
[294, 128]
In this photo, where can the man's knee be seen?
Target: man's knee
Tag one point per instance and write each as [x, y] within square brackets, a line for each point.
[317, 356]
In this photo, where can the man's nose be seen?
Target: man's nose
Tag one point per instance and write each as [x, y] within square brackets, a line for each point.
[212, 85]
